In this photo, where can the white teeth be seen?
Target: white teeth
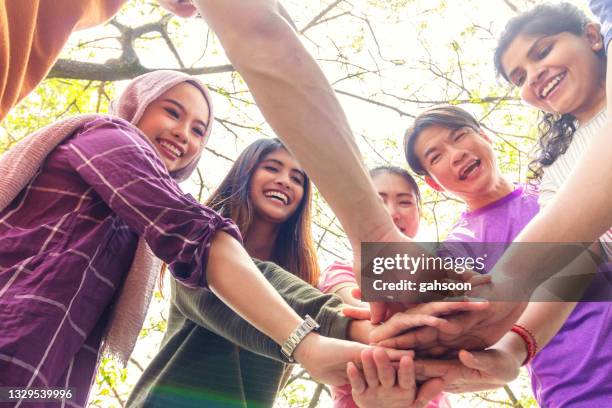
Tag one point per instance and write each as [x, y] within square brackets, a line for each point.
[172, 148]
[278, 194]
[551, 85]
[469, 169]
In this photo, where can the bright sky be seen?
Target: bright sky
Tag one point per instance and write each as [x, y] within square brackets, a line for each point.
[421, 31]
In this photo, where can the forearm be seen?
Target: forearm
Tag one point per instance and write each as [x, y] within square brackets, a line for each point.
[234, 278]
[544, 319]
[205, 309]
[582, 209]
[562, 270]
[345, 292]
[300, 105]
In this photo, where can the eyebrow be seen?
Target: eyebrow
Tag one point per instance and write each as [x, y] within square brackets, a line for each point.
[450, 136]
[280, 163]
[530, 52]
[411, 194]
[182, 108]
[429, 151]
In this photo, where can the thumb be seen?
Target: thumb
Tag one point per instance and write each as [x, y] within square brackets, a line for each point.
[356, 293]
[378, 312]
[357, 313]
[477, 360]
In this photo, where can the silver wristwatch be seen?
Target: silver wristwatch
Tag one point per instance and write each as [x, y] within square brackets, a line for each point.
[296, 337]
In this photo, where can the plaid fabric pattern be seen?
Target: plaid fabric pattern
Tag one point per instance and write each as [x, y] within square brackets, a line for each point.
[67, 241]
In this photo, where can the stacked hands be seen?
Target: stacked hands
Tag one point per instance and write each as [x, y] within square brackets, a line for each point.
[422, 350]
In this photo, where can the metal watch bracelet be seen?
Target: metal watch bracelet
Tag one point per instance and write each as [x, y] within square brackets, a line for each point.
[308, 325]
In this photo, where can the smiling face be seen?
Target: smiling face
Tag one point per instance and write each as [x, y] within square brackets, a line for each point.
[175, 123]
[559, 73]
[400, 200]
[460, 161]
[277, 187]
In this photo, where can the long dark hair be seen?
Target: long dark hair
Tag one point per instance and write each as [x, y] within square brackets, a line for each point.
[556, 131]
[294, 249]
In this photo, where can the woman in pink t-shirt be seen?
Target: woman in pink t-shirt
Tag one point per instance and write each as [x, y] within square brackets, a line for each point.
[402, 198]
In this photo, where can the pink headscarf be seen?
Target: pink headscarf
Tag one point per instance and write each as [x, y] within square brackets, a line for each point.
[19, 165]
[148, 87]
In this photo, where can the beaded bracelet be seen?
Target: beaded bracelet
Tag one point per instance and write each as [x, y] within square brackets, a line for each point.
[530, 342]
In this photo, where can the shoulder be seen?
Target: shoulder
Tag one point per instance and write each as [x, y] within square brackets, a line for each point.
[530, 194]
[338, 272]
[463, 230]
[339, 265]
[106, 133]
[266, 266]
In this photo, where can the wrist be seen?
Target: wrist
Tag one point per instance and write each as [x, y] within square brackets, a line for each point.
[306, 348]
[513, 345]
[359, 331]
[529, 342]
[297, 337]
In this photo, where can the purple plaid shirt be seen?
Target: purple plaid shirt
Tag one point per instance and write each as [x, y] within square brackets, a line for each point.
[67, 242]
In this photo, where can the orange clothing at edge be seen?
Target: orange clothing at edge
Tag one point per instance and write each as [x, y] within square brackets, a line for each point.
[32, 35]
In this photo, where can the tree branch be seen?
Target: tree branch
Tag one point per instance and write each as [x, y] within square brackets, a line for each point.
[119, 70]
[319, 16]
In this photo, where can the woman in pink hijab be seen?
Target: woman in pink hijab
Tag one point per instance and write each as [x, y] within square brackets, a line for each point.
[89, 201]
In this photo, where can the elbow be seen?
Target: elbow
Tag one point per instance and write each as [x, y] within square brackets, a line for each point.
[264, 38]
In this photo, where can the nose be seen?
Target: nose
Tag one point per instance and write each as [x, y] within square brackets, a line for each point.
[393, 211]
[180, 132]
[535, 75]
[283, 178]
[457, 156]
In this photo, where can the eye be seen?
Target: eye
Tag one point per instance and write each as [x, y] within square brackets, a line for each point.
[544, 51]
[297, 180]
[435, 159]
[271, 169]
[460, 135]
[405, 203]
[172, 112]
[519, 80]
[198, 131]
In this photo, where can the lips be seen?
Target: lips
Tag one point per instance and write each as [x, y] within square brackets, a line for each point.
[170, 149]
[468, 169]
[550, 85]
[277, 195]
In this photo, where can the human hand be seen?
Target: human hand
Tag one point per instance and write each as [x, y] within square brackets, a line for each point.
[477, 371]
[180, 8]
[387, 233]
[381, 385]
[434, 316]
[428, 281]
[326, 358]
[475, 329]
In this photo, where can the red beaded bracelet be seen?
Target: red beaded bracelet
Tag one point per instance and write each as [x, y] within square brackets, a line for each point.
[530, 342]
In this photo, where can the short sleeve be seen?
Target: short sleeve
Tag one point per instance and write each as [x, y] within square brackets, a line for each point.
[339, 272]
